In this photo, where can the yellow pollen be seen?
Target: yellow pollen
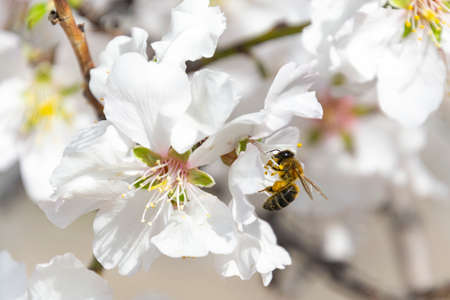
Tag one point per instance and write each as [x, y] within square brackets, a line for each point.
[299, 145]
[123, 196]
[408, 23]
[265, 173]
[410, 7]
[417, 17]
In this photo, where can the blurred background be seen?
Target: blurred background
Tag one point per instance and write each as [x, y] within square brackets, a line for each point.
[382, 234]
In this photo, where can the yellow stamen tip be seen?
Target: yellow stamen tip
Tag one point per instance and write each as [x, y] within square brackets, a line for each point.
[299, 145]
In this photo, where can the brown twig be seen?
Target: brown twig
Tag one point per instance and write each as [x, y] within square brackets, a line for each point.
[75, 33]
[245, 46]
[410, 243]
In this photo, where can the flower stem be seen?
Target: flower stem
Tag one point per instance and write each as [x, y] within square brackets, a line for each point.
[95, 266]
[75, 33]
[245, 46]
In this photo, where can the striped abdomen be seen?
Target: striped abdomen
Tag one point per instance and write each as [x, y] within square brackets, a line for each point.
[282, 198]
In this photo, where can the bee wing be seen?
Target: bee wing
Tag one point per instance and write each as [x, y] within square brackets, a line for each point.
[306, 186]
[315, 186]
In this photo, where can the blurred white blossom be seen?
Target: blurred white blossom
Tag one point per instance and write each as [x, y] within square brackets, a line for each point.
[64, 277]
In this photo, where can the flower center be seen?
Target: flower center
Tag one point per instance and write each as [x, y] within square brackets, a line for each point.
[168, 179]
[44, 102]
[426, 17]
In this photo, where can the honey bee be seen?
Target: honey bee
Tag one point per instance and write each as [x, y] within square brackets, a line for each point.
[284, 190]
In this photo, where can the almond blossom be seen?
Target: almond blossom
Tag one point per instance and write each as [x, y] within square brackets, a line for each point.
[403, 45]
[37, 120]
[135, 168]
[64, 277]
[257, 249]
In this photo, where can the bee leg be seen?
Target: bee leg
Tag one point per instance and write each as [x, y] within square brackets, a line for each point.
[268, 189]
[271, 164]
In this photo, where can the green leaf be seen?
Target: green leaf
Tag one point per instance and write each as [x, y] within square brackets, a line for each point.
[314, 136]
[70, 89]
[437, 31]
[200, 178]
[146, 155]
[242, 146]
[338, 79]
[362, 110]
[399, 3]
[75, 3]
[406, 30]
[181, 157]
[349, 144]
[35, 14]
[43, 73]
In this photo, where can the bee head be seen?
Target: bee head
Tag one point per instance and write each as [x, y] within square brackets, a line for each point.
[282, 155]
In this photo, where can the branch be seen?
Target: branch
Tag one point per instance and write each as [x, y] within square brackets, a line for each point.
[410, 241]
[245, 46]
[75, 33]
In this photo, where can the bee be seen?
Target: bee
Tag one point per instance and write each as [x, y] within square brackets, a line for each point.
[285, 190]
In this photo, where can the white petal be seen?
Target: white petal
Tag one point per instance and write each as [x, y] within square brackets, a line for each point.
[327, 16]
[362, 46]
[65, 277]
[90, 173]
[284, 139]
[121, 239]
[423, 182]
[226, 139]
[338, 244]
[145, 99]
[115, 48]
[13, 278]
[246, 177]
[12, 110]
[213, 99]
[266, 278]
[288, 97]
[205, 225]
[41, 156]
[272, 256]
[195, 29]
[242, 261]
[411, 82]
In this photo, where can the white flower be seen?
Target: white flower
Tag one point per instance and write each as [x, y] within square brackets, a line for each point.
[194, 32]
[148, 195]
[37, 122]
[64, 277]
[257, 249]
[338, 245]
[287, 97]
[404, 48]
